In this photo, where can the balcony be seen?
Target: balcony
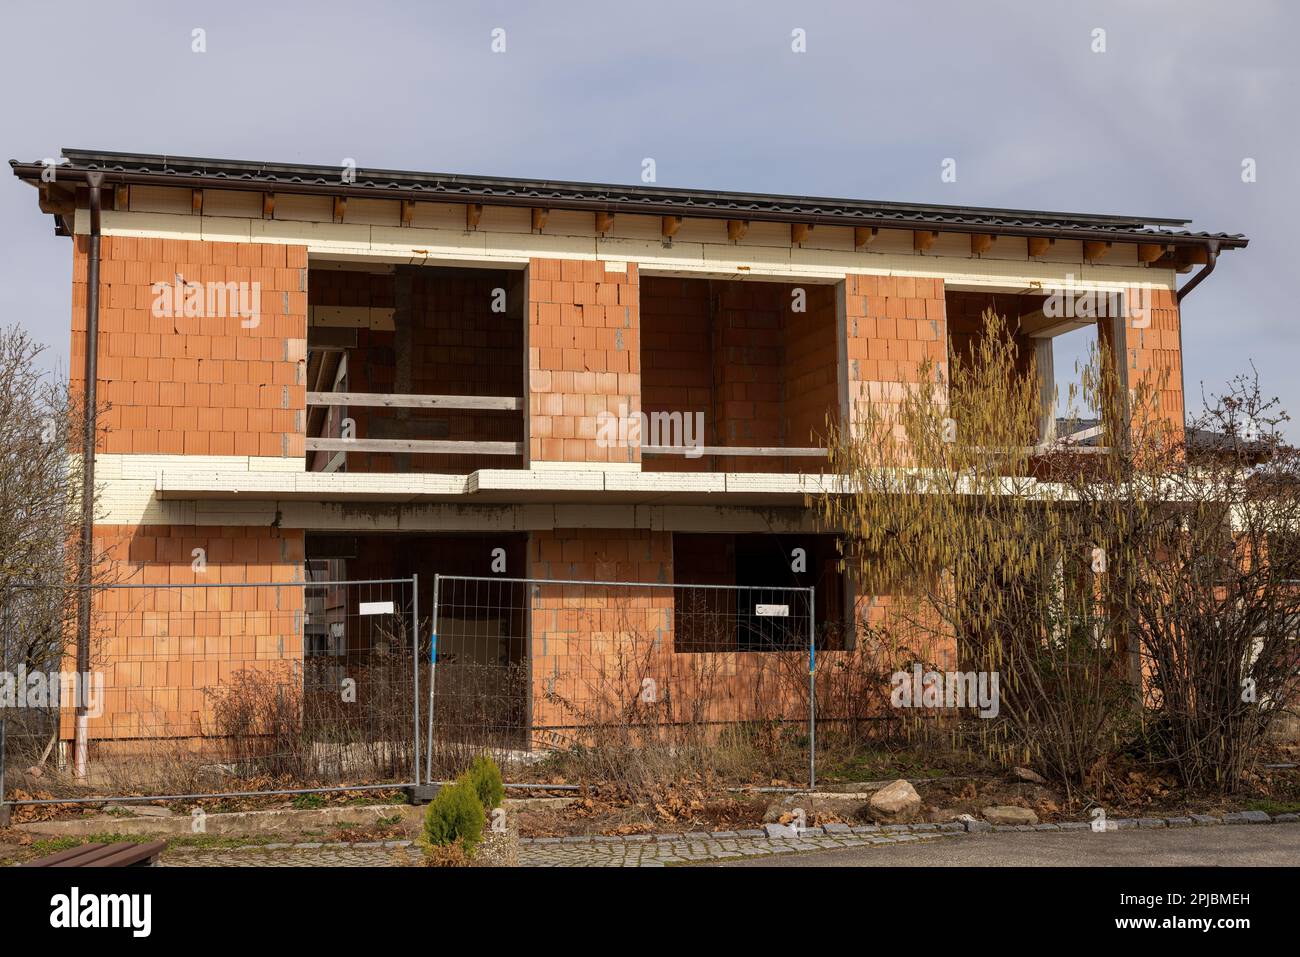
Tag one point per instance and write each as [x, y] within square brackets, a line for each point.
[414, 369]
[737, 376]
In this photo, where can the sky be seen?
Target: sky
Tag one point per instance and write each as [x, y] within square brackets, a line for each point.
[1016, 92]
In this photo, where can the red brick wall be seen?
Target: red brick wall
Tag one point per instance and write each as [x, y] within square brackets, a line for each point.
[1155, 353]
[748, 319]
[894, 324]
[590, 642]
[198, 386]
[811, 369]
[160, 648]
[966, 322]
[676, 355]
[584, 357]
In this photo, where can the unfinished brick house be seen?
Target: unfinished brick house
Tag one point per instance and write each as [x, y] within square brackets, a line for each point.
[450, 375]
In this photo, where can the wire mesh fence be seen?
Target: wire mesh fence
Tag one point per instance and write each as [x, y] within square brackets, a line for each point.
[269, 688]
[579, 676]
[217, 688]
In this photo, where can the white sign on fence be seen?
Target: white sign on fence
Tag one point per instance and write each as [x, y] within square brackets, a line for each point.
[772, 611]
[376, 608]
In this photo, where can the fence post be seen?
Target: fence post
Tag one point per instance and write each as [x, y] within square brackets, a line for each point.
[415, 664]
[433, 667]
[812, 688]
[4, 711]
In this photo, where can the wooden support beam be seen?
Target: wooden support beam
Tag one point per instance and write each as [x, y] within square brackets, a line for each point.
[736, 229]
[604, 222]
[923, 239]
[799, 232]
[473, 214]
[408, 211]
[340, 208]
[196, 201]
[980, 243]
[1150, 252]
[864, 236]
[121, 197]
[1094, 249]
[768, 451]
[1038, 245]
[402, 401]
[268, 205]
[539, 218]
[427, 447]
[669, 225]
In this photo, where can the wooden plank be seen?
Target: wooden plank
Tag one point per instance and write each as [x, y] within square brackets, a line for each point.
[57, 859]
[980, 243]
[473, 214]
[539, 218]
[336, 462]
[799, 232]
[604, 222]
[131, 855]
[736, 229]
[1037, 245]
[429, 446]
[864, 236]
[731, 450]
[404, 401]
[84, 856]
[356, 317]
[923, 239]
[668, 226]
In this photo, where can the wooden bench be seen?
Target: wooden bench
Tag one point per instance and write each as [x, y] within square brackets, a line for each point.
[121, 854]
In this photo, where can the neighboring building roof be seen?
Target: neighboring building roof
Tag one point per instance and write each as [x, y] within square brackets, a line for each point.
[647, 200]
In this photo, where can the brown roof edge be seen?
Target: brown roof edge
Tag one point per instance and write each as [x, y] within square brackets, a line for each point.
[150, 170]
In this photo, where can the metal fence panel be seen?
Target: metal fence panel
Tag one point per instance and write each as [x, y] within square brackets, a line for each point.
[524, 666]
[223, 688]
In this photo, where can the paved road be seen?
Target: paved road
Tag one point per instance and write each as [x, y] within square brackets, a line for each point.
[1236, 845]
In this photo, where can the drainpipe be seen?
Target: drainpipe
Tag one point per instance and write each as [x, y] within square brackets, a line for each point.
[94, 180]
[1211, 259]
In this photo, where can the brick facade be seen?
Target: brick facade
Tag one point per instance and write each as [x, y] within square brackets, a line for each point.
[584, 357]
[196, 385]
[161, 649]
[894, 323]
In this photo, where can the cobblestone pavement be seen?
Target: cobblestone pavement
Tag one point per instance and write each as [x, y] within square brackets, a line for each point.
[659, 850]
[588, 852]
[659, 853]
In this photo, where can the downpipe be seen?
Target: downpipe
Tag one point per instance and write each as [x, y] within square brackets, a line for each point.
[94, 180]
